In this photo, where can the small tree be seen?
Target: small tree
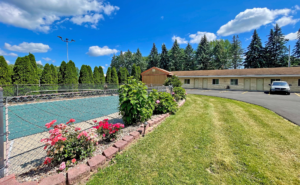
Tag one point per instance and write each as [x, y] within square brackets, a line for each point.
[54, 74]
[47, 75]
[84, 75]
[5, 74]
[102, 77]
[114, 76]
[134, 72]
[174, 81]
[108, 75]
[62, 72]
[96, 76]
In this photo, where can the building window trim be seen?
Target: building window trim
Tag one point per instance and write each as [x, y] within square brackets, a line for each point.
[213, 82]
[187, 81]
[274, 79]
[237, 82]
[298, 82]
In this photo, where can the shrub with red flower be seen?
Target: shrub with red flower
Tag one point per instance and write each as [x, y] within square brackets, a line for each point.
[108, 131]
[67, 143]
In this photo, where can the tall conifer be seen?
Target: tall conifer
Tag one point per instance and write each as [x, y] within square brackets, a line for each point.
[102, 77]
[189, 58]
[5, 73]
[296, 50]
[47, 75]
[203, 54]
[255, 53]
[153, 58]
[164, 58]
[114, 76]
[96, 75]
[108, 75]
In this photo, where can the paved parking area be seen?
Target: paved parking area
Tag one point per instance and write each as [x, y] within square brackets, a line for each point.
[288, 106]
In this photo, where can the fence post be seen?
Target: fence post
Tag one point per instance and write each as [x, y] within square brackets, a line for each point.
[2, 166]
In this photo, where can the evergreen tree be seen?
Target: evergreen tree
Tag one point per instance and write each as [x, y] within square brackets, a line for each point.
[133, 71]
[153, 58]
[91, 78]
[275, 49]
[203, 54]
[114, 76]
[138, 70]
[255, 53]
[164, 58]
[34, 67]
[237, 53]
[126, 74]
[84, 77]
[102, 77]
[296, 51]
[139, 60]
[54, 74]
[218, 60]
[121, 60]
[62, 72]
[47, 75]
[96, 76]
[5, 73]
[175, 58]
[189, 58]
[108, 76]
[129, 59]
[24, 72]
[71, 73]
[115, 62]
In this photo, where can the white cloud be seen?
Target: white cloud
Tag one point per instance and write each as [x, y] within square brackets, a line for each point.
[96, 51]
[285, 20]
[179, 40]
[47, 59]
[40, 15]
[249, 38]
[251, 19]
[26, 47]
[292, 36]
[94, 26]
[53, 61]
[195, 38]
[39, 62]
[7, 62]
[106, 64]
[103, 67]
[297, 7]
[8, 54]
[87, 19]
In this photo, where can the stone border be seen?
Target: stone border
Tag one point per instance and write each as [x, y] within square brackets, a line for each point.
[82, 172]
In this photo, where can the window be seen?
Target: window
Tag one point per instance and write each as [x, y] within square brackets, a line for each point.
[272, 80]
[186, 81]
[234, 82]
[215, 81]
[298, 82]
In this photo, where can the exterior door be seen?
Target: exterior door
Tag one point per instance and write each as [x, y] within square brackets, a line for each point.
[196, 83]
[260, 84]
[247, 84]
[205, 83]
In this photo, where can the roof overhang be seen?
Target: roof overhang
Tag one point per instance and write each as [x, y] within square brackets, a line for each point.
[238, 76]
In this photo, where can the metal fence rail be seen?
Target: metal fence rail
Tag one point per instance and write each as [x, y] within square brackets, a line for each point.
[23, 120]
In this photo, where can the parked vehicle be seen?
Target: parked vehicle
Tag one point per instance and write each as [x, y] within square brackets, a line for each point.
[280, 86]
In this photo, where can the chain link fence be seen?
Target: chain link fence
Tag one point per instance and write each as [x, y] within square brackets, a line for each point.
[22, 125]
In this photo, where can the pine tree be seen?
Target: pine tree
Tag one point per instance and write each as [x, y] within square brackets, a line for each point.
[102, 77]
[91, 78]
[164, 58]
[114, 76]
[218, 60]
[5, 73]
[62, 72]
[275, 49]
[84, 77]
[296, 51]
[139, 61]
[96, 75]
[189, 58]
[54, 74]
[153, 58]
[255, 53]
[121, 60]
[237, 52]
[47, 75]
[34, 67]
[115, 62]
[71, 73]
[108, 76]
[23, 72]
[176, 58]
[203, 54]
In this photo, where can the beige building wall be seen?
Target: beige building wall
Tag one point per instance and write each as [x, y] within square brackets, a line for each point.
[223, 82]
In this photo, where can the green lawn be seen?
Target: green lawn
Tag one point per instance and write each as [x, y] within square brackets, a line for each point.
[212, 141]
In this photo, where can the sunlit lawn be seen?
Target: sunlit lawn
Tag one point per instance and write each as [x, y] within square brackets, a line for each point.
[212, 141]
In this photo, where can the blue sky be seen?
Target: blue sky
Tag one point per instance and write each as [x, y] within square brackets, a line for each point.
[101, 28]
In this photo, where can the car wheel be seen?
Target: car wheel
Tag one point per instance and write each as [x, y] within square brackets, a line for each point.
[288, 93]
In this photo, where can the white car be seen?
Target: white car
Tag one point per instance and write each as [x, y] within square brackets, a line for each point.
[280, 86]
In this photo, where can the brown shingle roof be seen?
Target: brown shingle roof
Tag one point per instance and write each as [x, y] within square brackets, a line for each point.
[241, 72]
[162, 70]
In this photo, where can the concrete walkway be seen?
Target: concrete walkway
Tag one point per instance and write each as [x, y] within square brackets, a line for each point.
[287, 106]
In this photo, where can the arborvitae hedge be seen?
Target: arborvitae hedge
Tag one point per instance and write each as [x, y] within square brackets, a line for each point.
[71, 74]
[114, 76]
[54, 74]
[96, 76]
[5, 74]
[24, 72]
[47, 75]
[108, 76]
[91, 78]
[102, 77]
[62, 72]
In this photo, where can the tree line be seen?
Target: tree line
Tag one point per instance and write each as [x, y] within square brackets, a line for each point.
[217, 54]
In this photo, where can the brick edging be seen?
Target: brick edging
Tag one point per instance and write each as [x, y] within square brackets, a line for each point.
[82, 172]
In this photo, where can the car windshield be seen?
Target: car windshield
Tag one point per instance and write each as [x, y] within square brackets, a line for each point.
[279, 83]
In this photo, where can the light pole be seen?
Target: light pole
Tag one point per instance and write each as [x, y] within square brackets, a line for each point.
[67, 41]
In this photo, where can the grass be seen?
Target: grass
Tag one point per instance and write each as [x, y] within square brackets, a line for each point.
[212, 140]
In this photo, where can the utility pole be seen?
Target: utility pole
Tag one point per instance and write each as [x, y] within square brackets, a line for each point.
[67, 41]
[289, 63]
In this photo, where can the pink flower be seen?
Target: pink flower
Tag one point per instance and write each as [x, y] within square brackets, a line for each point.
[157, 101]
[48, 125]
[173, 93]
[71, 121]
[47, 160]
[95, 121]
[77, 128]
[103, 135]
[174, 100]
[62, 166]
[73, 160]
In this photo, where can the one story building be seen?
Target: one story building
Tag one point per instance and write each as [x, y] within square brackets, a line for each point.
[256, 79]
[155, 76]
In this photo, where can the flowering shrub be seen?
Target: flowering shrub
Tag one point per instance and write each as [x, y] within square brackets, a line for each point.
[108, 131]
[179, 93]
[67, 143]
[165, 103]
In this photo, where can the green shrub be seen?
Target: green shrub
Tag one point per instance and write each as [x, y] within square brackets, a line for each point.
[174, 81]
[179, 93]
[165, 103]
[135, 106]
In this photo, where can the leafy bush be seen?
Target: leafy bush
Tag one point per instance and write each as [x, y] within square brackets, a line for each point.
[179, 93]
[174, 81]
[134, 103]
[165, 103]
[66, 143]
[107, 130]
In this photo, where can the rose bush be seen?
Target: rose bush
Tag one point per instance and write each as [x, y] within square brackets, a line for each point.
[66, 142]
[165, 103]
[108, 131]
